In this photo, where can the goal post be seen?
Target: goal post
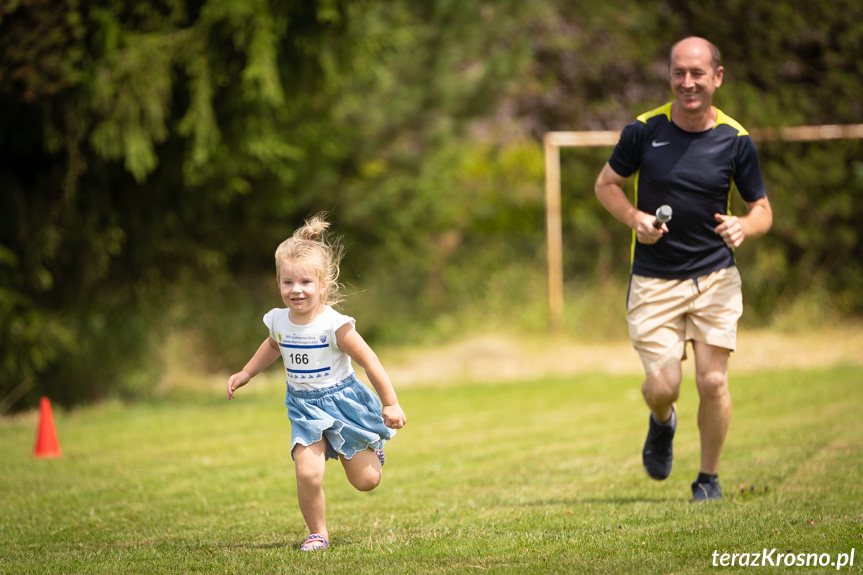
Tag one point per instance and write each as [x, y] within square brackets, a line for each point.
[554, 141]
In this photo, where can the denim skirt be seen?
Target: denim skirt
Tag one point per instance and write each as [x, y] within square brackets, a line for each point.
[347, 414]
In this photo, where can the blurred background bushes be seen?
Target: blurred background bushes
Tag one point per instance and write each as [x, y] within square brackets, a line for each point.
[153, 154]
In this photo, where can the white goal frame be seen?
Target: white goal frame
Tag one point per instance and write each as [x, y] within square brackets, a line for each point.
[554, 141]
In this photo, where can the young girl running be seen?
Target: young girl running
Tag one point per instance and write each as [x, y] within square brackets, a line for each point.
[333, 415]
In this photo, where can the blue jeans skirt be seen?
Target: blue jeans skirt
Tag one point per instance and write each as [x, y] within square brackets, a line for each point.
[347, 414]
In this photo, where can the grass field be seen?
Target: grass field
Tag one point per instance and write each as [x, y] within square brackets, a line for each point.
[537, 476]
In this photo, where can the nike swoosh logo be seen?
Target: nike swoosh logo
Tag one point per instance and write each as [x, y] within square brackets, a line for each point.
[656, 144]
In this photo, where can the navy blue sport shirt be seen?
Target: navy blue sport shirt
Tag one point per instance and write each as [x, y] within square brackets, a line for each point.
[694, 173]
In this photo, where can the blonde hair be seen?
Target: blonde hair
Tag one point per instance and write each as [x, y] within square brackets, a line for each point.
[309, 246]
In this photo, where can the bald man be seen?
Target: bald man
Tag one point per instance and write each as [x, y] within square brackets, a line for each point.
[684, 283]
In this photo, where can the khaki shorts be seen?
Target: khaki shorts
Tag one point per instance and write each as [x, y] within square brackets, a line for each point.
[664, 314]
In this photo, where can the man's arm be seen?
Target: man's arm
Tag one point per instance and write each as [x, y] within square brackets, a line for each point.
[757, 221]
[609, 191]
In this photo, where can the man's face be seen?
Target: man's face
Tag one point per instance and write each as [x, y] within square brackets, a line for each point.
[693, 79]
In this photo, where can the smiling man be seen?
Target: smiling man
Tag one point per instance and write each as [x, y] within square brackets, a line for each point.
[684, 283]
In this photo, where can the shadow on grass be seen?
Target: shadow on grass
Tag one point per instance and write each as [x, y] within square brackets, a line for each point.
[288, 545]
[602, 501]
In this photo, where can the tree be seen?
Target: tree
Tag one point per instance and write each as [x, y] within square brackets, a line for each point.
[154, 143]
[131, 135]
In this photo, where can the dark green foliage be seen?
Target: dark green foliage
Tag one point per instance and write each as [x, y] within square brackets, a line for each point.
[815, 245]
[129, 133]
[154, 153]
[164, 144]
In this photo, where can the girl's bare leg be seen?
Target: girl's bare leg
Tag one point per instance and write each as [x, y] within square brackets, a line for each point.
[363, 469]
[309, 463]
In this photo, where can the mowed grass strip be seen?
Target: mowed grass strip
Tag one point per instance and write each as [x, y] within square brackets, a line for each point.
[540, 476]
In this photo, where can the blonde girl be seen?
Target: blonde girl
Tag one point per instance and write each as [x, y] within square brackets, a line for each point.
[333, 415]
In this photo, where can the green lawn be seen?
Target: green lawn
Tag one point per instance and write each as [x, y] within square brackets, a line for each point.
[541, 476]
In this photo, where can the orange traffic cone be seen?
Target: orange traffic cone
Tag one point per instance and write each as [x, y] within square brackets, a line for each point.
[47, 445]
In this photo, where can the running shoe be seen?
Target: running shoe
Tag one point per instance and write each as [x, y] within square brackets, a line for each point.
[657, 455]
[706, 490]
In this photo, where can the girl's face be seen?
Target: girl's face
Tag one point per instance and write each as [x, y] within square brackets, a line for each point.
[302, 291]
